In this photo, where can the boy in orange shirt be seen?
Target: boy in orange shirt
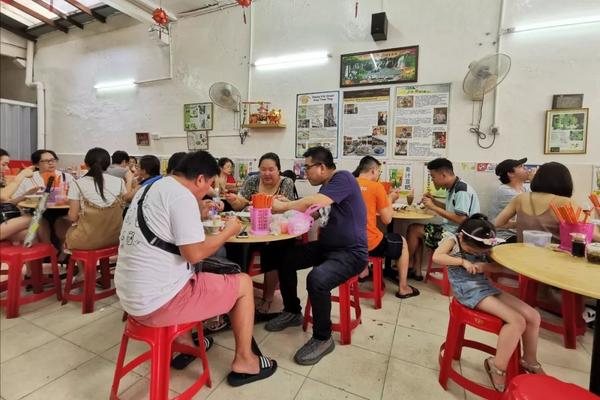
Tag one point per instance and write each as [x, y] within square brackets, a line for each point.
[379, 203]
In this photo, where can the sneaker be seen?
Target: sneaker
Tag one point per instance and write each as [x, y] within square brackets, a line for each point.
[283, 320]
[313, 350]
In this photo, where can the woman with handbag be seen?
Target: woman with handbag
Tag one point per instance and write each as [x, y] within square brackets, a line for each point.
[95, 205]
[13, 225]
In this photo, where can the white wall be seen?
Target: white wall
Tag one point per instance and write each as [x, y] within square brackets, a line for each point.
[217, 47]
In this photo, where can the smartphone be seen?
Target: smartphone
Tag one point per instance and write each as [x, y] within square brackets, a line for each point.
[242, 235]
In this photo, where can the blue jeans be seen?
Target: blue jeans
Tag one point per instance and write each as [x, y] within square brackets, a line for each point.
[330, 269]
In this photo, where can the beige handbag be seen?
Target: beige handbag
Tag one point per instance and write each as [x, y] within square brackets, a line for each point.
[97, 227]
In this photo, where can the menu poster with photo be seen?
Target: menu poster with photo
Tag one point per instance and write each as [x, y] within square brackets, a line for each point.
[317, 121]
[244, 167]
[197, 116]
[429, 187]
[421, 122]
[596, 180]
[300, 169]
[365, 122]
[399, 175]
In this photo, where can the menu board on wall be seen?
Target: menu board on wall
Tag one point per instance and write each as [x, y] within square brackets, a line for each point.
[596, 180]
[421, 122]
[365, 122]
[317, 121]
[399, 175]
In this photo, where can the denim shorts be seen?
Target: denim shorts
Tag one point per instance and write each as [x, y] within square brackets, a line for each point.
[470, 289]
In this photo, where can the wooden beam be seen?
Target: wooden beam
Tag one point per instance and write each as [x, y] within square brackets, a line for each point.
[35, 15]
[59, 13]
[87, 10]
[18, 32]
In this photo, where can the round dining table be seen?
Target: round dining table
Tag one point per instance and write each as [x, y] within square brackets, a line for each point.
[561, 270]
[34, 203]
[410, 214]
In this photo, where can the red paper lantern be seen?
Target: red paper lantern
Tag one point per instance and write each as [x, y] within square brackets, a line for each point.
[244, 3]
[160, 17]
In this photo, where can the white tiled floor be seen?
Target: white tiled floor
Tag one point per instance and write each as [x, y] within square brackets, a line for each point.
[55, 352]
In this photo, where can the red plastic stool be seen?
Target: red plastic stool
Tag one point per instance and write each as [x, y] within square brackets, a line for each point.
[496, 276]
[571, 310]
[460, 317]
[527, 387]
[162, 347]
[254, 269]
[378, 286]
[346, 324]
[90, 259]
[15, 257]
[442, 282]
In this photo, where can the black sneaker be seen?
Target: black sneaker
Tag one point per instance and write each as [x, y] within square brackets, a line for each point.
[283, 320]
[313, 350]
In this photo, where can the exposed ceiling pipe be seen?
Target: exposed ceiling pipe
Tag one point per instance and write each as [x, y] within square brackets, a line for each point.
[41, 97]
[208, 9]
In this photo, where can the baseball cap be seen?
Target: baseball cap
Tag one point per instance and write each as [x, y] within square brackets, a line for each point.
[507, 166]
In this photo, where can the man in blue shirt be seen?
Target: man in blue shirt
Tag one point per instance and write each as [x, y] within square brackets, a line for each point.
[339, 254]
[461, 202]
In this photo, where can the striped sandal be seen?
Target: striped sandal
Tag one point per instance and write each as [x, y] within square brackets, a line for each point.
[267, 368]
[532, 368]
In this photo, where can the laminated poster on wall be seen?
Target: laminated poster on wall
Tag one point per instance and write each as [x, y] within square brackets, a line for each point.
[596, 180]
[365, 122]
[421, 121]
[245, 166]
[317, 121]
[429, 187]
[299, 169]
[486, 167]
[399, 175]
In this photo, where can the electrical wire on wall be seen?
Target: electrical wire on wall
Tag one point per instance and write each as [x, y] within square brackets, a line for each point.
[476, 130]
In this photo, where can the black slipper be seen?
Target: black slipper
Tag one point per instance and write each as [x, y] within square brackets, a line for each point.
[182, 360]
[415, 292]
[413, 275]
[267, 368]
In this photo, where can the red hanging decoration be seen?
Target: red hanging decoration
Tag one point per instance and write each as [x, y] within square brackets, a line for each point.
[244, 4]
[160, 17]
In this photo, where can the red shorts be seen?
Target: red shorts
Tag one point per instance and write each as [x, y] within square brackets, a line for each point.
[204, 296]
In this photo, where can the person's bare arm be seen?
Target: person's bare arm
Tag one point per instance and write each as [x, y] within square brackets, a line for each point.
[438, 203]
[73, 210]
[196, 252]
[236, 201]
[7, 191]
[302, 204]
[503, 219]
[429, 203]
[385, 214]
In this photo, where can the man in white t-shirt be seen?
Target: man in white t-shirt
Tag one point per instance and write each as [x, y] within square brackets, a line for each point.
[159, 287]
[513, 175]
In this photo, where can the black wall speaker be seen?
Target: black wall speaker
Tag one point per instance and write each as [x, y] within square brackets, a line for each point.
[379, 25]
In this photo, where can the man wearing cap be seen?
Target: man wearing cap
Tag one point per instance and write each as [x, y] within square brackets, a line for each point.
[513, 175]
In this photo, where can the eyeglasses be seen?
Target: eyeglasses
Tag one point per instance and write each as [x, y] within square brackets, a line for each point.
[486, 241]
[52, 160]
[309, 166]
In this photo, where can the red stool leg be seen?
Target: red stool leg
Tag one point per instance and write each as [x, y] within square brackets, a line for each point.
[89, 284]
[445, 283]
[449, 348]
[105, 273]
[377, 282]
[460, 337]
[157, 374]
[35, 269]
[15, 267]
[114, 391]
[569, 315]
[69, 281]
[344, 299]
[306, 315]
[56, 276]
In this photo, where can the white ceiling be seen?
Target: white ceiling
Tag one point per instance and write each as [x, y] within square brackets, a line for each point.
[60, 5]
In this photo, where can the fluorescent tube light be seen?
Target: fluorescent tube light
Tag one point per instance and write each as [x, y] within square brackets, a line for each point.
[129, 83]
[292, 60]
[555, 24]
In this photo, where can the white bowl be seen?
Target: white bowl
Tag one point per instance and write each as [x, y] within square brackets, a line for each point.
[213, 227]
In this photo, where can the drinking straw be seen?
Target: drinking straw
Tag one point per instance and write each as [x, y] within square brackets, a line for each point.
[587, 215]
[557, 213]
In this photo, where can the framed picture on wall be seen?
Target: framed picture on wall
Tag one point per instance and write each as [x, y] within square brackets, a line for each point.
[570, 101]
[142, 138]
[198, 117]
[379, 67]
[566, 131]
[197, 140]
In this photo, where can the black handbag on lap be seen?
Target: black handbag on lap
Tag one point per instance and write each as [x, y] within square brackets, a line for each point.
[8, 211]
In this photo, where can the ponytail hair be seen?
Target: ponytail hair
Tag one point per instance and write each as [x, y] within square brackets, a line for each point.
[478, 226]
[97, 160]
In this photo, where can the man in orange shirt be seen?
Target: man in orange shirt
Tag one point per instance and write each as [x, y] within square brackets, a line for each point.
[379, 203]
